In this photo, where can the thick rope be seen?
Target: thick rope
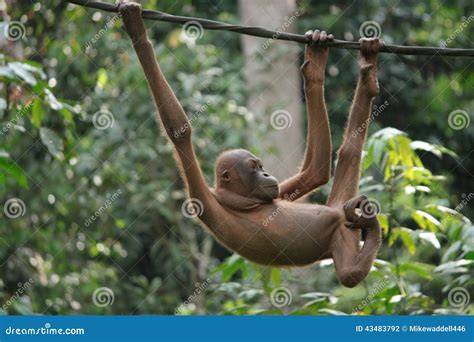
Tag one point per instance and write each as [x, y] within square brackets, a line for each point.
[265, 33]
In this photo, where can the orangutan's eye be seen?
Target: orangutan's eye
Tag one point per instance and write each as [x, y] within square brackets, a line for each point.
[253, 164]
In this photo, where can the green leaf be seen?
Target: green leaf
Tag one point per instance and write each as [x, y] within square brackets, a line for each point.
[421, 269]
[34, 67]
[6, 72]
[37, 113]
[101, 78]
[425, 220]
[383, 221]
[431, 238]
[451, 267]
[404, 234]
[332, 312]
[52, 141]
[14, 170]
[422, 145]
[22, 72]
[275, 276]
[52, 100]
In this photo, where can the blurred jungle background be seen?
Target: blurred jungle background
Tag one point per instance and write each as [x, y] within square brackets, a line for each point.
[91, 219]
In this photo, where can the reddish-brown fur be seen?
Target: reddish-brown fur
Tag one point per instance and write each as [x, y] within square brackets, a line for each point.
[248, 211]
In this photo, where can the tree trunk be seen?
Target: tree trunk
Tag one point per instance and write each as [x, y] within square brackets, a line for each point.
[274, 83]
